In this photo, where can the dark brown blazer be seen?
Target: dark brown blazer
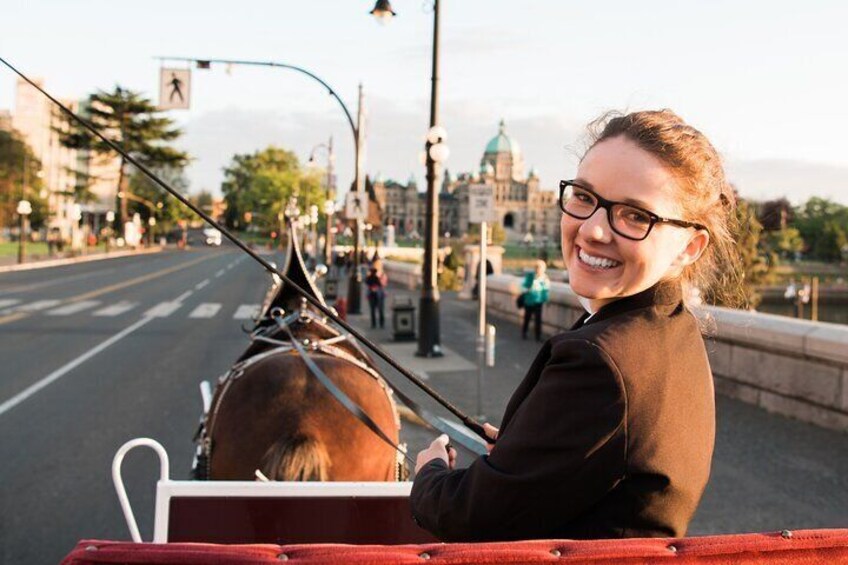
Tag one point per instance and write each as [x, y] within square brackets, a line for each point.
[609, 435]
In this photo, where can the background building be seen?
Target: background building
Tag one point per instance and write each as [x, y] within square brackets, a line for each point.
[66, 173]
[521, 206]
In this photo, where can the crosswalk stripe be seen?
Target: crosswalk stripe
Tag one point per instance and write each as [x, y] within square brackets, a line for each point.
[116, 309]
[205, 310]
[246, 312]
[37, 305]
[73, 308]
[8, 302]
[163, 309]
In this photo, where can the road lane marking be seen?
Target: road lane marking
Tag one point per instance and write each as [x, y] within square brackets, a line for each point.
[64, 370]
[73, 308]
[38, 305]
[11, 316]
[116, 309]
[246, 312]
[8, 302]
[219, 273]
[183, 296]
[163, 309]
[205, 310]
[201, 284]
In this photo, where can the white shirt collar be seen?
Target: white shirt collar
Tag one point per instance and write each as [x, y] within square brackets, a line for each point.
[586, 306]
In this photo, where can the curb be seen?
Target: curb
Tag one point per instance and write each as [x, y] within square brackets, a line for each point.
[79, 259]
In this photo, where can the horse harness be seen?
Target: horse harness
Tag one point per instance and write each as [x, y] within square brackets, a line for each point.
[203, 436]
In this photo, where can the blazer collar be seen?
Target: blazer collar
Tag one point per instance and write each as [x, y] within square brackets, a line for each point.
[662, 293]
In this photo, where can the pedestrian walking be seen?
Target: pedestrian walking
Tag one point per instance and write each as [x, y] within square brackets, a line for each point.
[535, 290]
[611, 432]
[376, 282]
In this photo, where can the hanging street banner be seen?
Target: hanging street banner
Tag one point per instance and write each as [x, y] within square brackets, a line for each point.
[481, 204]
[174, 89]
[355, 206]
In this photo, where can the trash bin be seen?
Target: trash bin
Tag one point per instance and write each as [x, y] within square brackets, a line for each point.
[403, 319]
[331, 288]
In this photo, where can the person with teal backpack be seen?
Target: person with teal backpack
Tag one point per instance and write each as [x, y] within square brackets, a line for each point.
[535, 294]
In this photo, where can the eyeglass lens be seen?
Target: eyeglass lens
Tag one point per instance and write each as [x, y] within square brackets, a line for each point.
[626, 220]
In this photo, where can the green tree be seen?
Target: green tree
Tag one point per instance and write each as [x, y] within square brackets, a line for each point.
[166, 209]
[755, 268]
[136, 125]
[261, 184]
[823, 224]
[785, 243]
[19, 179]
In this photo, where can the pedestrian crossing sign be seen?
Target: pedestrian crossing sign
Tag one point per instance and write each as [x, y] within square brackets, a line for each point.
[174, 89]
[355, 206]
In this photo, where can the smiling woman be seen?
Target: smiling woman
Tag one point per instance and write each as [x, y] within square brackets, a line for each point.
[611, 432]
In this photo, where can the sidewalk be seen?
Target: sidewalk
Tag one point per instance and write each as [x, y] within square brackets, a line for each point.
[454, 376]
[10, 263]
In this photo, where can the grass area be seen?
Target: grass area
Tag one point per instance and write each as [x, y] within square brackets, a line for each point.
[10, 248]
[38, 249]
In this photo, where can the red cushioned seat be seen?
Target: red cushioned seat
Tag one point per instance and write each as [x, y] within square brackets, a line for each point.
[802, 547]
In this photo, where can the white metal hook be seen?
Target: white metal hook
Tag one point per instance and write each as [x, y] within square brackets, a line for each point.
[117, 461]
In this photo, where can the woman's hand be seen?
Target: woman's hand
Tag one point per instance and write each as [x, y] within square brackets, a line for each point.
[437, 450]
[492, 432]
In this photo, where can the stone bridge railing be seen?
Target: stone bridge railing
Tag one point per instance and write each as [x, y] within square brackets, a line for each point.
[792, 367]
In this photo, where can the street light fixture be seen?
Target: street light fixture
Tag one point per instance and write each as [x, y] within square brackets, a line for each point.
[429, 342]
[383, 11]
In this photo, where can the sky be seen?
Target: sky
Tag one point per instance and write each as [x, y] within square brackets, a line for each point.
[766, 81]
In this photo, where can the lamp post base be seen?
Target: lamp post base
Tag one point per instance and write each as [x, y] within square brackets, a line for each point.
[354, 293]
[429, 343]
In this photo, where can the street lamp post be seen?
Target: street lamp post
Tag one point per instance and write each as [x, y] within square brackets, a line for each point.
[429, 341]
[354, 283]
[329, 203]
[110, 221]
[24, 209]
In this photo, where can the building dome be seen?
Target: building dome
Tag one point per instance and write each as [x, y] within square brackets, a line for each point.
[534, 174]
[502, 143]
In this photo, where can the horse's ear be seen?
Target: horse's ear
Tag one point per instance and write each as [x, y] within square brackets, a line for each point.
[286, 297]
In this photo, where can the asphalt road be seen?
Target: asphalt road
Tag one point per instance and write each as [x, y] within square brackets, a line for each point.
[170, 320]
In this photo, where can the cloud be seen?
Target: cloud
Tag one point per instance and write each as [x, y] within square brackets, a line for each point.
[395, 140]
[796, 180]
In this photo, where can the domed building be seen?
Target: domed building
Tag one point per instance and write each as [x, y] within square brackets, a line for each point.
[521, 206]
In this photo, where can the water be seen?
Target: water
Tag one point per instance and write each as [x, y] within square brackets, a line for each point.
[834, 313]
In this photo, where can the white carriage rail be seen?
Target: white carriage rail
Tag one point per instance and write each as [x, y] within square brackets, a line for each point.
[166, 489]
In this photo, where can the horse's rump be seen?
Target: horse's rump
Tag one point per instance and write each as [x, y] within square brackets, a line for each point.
[275, 416]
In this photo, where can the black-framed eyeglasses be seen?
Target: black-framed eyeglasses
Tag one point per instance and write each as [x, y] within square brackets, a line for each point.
[626, 220]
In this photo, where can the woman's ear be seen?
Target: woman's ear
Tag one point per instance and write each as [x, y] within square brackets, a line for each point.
[694, 249]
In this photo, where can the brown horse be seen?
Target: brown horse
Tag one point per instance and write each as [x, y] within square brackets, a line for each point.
[270, 413]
